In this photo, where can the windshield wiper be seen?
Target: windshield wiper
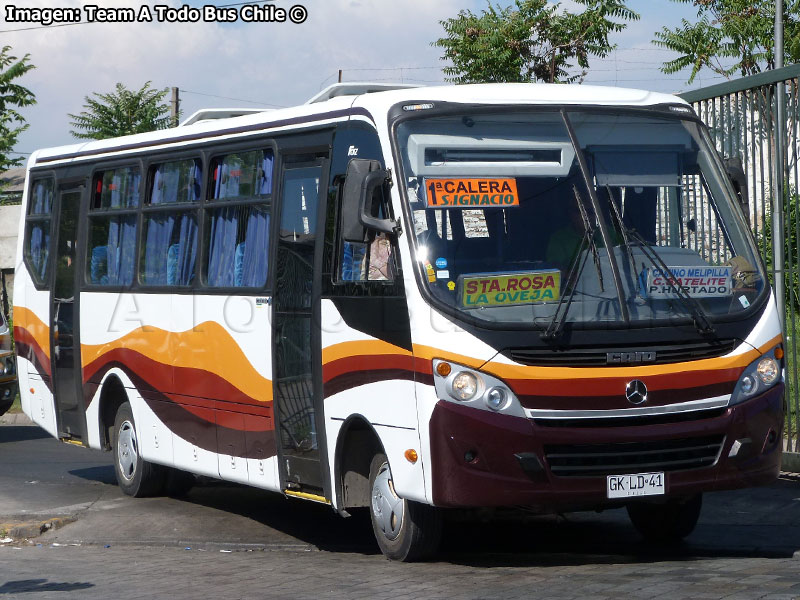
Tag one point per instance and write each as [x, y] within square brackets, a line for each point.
[623, 231]
[557, 322]
[701, 322]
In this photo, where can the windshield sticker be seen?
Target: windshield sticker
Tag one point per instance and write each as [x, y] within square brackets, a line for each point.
[471, 193]
[430, 272]
[441, 263]
[509, 289]
[451, 285]
[698, 282]
[442, 274]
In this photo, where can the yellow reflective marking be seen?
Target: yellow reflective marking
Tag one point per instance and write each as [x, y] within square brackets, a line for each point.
[307, 496]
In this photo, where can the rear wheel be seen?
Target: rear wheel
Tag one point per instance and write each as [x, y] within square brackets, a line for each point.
[135, 476]
[405, 530]
[666, 523]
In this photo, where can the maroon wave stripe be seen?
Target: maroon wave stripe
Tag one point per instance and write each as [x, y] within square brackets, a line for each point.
[354, 379]
[255, 438]
[28, 348]
[189, 381]
[25, 351]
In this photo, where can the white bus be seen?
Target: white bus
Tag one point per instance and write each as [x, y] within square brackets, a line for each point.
[409, 300]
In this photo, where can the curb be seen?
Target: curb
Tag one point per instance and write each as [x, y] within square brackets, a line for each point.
[34, 529]
[790, 462]
[15, 419]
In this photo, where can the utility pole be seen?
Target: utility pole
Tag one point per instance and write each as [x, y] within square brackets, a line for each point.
[778, 195]
[340, 76]
[174, 106]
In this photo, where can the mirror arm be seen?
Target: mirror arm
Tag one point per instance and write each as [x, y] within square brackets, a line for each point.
[371, 182]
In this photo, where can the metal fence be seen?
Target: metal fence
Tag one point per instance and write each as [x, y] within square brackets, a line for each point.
[743, 119]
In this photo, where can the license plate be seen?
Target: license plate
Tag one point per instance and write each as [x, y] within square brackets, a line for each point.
[637, 484]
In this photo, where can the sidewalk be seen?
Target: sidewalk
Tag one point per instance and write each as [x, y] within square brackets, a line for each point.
[15, 419]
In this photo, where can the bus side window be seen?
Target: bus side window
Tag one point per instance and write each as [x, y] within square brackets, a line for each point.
[112, 227]
[37, 245]
[237, 236]
[170, 227]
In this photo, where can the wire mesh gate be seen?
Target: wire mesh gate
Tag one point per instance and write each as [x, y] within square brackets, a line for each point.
[742, 116]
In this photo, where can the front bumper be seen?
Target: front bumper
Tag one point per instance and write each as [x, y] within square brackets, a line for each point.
[484, 459]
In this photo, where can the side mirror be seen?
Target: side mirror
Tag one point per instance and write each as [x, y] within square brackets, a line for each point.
[361, 201]
[735, 170]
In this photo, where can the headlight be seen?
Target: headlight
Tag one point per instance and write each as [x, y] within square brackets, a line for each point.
[465, 386]
[496, 398]
[758, 377]
[768, 370]
[462, 385]
[10, 366]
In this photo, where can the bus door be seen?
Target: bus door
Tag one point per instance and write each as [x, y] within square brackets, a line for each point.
[64, 315]
[297, 366]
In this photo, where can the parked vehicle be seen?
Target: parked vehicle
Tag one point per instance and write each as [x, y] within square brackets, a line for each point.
[8, 368]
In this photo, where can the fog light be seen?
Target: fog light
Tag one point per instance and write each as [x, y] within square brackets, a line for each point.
[6, 393]
[465, 386]
[748, 385]
[496, 398]
[768, 370]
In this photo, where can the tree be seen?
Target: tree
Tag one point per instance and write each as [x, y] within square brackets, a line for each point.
[731, 37]
[529, 41]
[122, 112]
[12, 97]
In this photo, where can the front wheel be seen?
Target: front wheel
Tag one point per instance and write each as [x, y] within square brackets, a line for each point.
[405, 530]
[135, 476]
[666, 523]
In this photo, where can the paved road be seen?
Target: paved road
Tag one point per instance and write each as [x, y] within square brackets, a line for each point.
[248, 543]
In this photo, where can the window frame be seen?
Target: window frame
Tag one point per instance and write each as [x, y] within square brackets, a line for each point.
[176, 208]
[208, 204]
[91, 212]
[44, 284]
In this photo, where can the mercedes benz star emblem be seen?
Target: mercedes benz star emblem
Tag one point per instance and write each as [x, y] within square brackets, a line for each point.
[636, 392]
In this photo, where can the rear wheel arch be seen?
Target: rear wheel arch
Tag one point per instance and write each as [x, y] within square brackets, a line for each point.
[112, 395]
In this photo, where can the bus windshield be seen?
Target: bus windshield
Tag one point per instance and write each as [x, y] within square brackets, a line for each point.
[510, 229]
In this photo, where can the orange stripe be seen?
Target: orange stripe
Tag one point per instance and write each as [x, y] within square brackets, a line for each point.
[208, 346]
[26, 319]
[360, 347]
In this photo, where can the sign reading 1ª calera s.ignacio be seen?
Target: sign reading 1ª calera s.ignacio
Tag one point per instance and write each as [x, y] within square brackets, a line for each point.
[698, 282]
[484, 192]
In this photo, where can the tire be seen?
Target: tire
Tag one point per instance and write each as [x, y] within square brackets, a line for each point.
[136, 477]
[666, 523]
[178, 483]
[405, 530]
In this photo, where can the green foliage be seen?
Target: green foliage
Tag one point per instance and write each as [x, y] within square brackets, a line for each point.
[122, 112]
[731, 37]
[529, 41]
[790, 247]
[12, 97]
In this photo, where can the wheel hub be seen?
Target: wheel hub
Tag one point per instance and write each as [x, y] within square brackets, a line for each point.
[387, 506]
[127, 450]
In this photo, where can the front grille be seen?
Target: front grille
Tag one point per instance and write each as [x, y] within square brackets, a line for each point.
[682, 417]
[594, 356]
[587, 460]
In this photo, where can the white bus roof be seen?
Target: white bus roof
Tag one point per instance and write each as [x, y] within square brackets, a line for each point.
[341, 106]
